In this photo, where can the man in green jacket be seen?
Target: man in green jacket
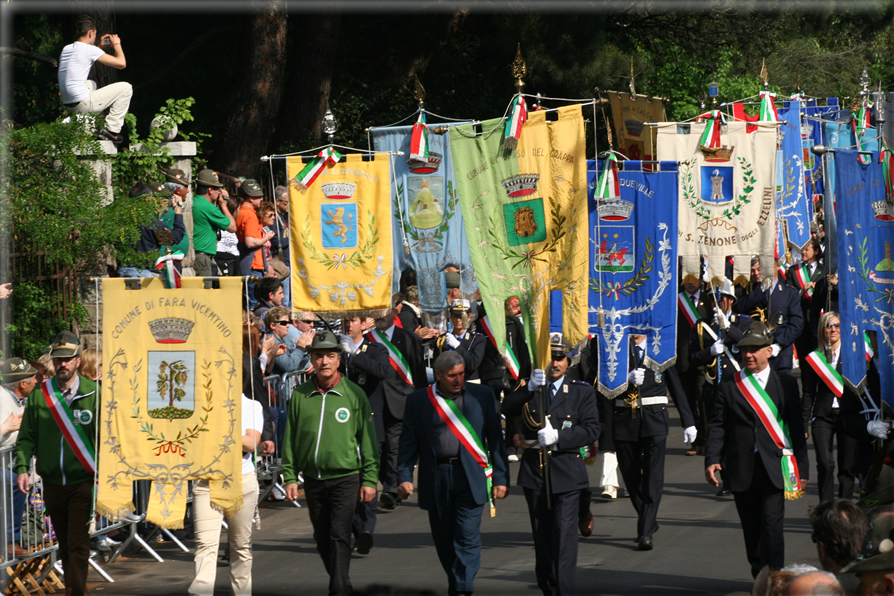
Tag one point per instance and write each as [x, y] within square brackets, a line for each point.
[59, 428]
[331, 439]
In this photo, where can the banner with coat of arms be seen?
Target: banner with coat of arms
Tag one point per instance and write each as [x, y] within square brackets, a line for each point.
[865, 267]
[793, 207]
[727, 194]
[633, 270]
[342, 259]
[630, 113]
[525, 214]
[172, 391]
[813, 133]
[426, 215]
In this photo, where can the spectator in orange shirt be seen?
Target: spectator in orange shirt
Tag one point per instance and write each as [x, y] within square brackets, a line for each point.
[251, 236]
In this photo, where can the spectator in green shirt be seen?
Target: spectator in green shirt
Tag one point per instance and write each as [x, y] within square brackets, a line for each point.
[210, 214]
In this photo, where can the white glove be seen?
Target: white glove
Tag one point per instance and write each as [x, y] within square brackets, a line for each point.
[689, 434]
[776, 349]
[717, 348]
[347, 344]
[721, 321]
[636, 376]
[878, 428]
[548, 435]
[451, 341]
[537, 380]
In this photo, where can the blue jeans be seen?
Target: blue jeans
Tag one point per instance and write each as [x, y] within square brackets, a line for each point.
[134, 272]
[18, 506]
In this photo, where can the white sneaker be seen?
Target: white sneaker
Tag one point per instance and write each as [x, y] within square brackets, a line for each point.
[609, 492]
[513, 457]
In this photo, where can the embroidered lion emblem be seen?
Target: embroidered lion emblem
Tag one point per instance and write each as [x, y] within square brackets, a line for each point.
[338, 220]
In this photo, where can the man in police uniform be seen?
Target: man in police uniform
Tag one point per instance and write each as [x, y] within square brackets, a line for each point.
[782, 303]
[366, 364]
[572, 422]
[640, 424]
[461, 340]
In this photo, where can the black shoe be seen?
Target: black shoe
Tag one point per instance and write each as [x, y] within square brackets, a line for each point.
[724, 492]
[645, 543]
[364, 543]
[105, 135]
[389, 500]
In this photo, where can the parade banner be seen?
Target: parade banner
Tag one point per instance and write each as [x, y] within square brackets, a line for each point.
[342, 253]
[630, 113]
[172, 386]
[726, 195]
[633, 270]
[426, 216]
[886, 101]
[813, 133]
[525, 213]
[865, 267]
[793, 207]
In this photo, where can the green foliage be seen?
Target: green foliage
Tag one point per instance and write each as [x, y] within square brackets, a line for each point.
[35, 320]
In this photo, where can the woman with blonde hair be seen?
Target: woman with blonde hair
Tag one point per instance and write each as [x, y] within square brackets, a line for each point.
[824, 389]
[91, 364]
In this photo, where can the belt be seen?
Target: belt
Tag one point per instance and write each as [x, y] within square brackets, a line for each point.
[449, 460]
[71, 105]
[201, 252]
[643, 401]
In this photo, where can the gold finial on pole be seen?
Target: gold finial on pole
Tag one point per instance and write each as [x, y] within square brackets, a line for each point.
[765, 74]
[632, 85]
[519, 69]
[419, 91]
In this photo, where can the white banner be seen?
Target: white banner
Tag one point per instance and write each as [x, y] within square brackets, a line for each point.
[727, 196]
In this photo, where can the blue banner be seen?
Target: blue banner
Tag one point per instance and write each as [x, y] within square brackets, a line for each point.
[866, 271]
[813, 133]
[793, 206]
[426, 209]
[633, 269]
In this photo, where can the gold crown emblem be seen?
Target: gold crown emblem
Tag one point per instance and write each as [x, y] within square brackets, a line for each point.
[613, 209]
[521, 185]
[338, 190]
[883, 210]
[723, 153]
[171, 330]
[420, 166]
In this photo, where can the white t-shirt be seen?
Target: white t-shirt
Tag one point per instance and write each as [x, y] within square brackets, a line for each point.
[228, 243]
[252, 419]
[74, 67]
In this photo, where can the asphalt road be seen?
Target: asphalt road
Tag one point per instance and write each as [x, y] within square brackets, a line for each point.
[698, 550]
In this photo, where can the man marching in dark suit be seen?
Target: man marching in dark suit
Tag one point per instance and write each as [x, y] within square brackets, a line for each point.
[757, 437]
[782, 304]
[452, 429]
[366, 364]
[640, 425]
[405, 357]
[572, 422]
[462, 340]
[692, 307]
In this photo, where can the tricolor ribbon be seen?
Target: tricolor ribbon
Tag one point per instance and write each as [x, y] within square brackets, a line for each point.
[826, 372]
[340, 260]
[688, 309]
[768, 108]
[870, 353]
[711, 136]
[306, 177]
[71, 429]
[861, 123]
[395, 358]
[509, 357]
[609, 187]
[419, 140]
[169, 272]
[613, 290]
[518, 114]
[804, 279]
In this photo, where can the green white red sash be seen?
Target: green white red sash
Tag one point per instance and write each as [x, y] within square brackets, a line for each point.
[768, 108]
[518, 114]
[508, 354]
[609, 187]
[769, 416]
[826, 372]
[397, 360]
[804, 279]
[870, 353]
[169, 272]
[74, 433]
[460, 427]
[688, 308]
[419, 140]
[312, 170]
[711, 135]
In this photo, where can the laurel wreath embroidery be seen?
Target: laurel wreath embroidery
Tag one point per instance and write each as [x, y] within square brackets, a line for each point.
[698, 206]
[359, 257]
[634, 283]
[413, 233]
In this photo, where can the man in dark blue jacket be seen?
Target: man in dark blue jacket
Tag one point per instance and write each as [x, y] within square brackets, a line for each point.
[452, 429]
[782, 303]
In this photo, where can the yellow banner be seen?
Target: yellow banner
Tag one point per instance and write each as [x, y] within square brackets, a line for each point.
[630, 114]
[341, 231]
[172, 387]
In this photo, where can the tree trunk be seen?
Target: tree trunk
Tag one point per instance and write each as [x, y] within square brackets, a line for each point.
[103, 14]
[243, 139]
[309, 82]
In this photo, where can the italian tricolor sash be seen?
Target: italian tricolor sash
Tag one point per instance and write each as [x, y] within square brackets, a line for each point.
[460, 427]
[825, 371]
[74, 434]
[769, 416]
[688, 309]
[803, 279]
[508, 354]
[165, 264]
[315, 167]
[870, 353]
[398, 362]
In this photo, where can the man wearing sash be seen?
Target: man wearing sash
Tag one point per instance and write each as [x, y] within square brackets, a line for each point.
[59, 427]
[692, 307]
[452, 429]
[782, 305]
[756, 436]
[572, 422]
[502, 368]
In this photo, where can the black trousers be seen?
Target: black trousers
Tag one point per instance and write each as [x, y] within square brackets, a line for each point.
[331, 505]
[69, 509]
[642, 467]
[365, 514]
[824, 429]
[693, 382]
[762, 511]
[555, 539]
[388, 473]
[455, 523]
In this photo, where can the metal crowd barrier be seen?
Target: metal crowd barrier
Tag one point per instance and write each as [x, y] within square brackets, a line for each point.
[278, 392]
